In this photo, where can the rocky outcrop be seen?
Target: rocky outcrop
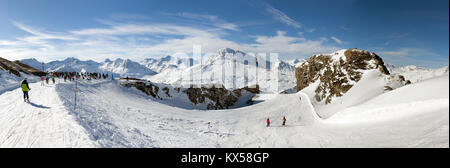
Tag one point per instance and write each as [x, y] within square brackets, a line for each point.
[336, 73]
[211, 96]
[220, 97]
[148, 88]
[16, 67]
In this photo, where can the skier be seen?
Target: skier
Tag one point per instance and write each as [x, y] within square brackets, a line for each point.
[46, 79]
[209, 126]
[53, 78]
[284, 120]
[25, 89]
[42, 80]
[268, 122]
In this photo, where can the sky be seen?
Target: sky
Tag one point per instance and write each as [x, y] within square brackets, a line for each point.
[402, 32]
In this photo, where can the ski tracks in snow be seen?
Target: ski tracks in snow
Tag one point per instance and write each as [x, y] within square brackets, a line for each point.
[44, 122]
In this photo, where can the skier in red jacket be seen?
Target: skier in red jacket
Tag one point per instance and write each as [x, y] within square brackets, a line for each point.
[268, 122]
[284, 121]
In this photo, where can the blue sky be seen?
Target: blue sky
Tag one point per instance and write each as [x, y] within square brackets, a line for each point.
[402, 32]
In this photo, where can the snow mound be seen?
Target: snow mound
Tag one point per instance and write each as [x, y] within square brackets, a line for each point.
[420, 110]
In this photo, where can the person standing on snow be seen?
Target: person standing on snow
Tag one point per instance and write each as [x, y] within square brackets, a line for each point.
[284, 121]
[53, 78]
[42, 80]
[268, 122]
[25, 89]
[209, 126]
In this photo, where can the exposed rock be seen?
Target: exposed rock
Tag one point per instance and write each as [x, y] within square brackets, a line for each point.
[337, 72]
[395, 81]
[149, 89]
[16, 67]
[220, 97]
[408, 82]
[166, 90]
[388, 88]
[212, 96]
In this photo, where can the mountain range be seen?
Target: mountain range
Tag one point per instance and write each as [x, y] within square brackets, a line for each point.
[232, 68]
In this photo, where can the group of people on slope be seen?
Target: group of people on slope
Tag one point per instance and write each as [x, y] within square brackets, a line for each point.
[283, 123]
[66, 75]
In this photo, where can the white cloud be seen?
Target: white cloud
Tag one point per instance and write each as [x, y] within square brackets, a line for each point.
[280, 16]
[337, 40]
[40, 35]
[412, 56]
[408, 52]
[310, 30]
[136, 29]
[210, 19]
[137, 41]
[343, 27]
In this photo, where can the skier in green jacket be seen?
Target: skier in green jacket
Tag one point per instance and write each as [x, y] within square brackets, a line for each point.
[25, 89]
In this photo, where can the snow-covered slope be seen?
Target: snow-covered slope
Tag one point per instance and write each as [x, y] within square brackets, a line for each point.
[109, 115]
[233, 69]
[429, 95]
[417, 74]
[42, 123]
[10, 81]
[126, 67]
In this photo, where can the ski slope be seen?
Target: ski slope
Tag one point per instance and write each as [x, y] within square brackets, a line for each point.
[44, 122]
[108, 115]
[416, 115]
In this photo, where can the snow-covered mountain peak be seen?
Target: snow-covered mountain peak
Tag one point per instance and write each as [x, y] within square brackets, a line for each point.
[225, 51]
[296, 62]
[166, 58]
[167, 63]
[71, 59]
[227, 54]
[126, 67]
[107, 60]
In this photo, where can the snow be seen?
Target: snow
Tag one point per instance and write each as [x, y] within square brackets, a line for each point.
[234, 69]
[43, 122]
[109, 115]
[296, 62]
[119, 67]
[168, 63]
[10, 82]
[418, 74]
